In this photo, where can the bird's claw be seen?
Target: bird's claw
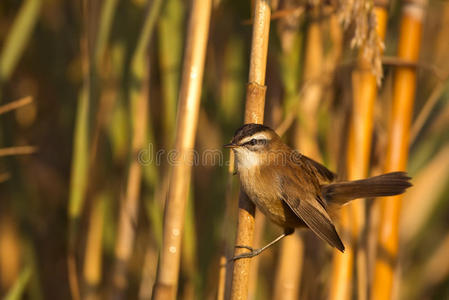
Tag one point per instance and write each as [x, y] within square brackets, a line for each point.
[245, 247]
[253, 252]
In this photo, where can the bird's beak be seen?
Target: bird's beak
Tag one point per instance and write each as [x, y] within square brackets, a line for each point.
[230, 145]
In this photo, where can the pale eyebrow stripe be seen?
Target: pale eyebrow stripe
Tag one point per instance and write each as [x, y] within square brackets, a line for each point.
[257, 136]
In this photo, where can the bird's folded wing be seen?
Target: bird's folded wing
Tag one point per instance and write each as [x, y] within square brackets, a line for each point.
[323, 174]
[306, 206]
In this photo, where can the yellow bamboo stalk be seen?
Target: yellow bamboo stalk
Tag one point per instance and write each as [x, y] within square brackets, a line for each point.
[188, 109]
[429, 184]
[93, 259]
[254, 112]
[10, 254]
[221, 279]
[342, 265]
[397, 149]
[307, 127]
[129, 207]
[288, 274]
[148, 273]
[259, 228]
[358, 160]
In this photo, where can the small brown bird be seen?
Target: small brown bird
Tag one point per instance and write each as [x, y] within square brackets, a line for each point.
[293, 190]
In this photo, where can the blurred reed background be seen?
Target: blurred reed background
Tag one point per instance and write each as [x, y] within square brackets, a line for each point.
[89, 94]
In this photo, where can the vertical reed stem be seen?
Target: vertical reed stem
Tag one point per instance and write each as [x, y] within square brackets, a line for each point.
[139, 98]
[397, 149]
[254, 111]
[188, 109]
[358, 160]
[79, 167]
[92, 270]
[17, 38]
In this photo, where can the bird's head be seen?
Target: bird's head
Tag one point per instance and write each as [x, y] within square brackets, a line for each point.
[252, 143]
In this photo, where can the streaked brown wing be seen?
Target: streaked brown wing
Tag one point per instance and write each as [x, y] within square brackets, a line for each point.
[323, 174]
[306, 204]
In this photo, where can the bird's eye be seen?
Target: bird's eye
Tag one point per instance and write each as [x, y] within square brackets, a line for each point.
[254, 142]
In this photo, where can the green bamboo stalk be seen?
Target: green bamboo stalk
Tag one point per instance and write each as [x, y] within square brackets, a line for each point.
[18, 38]
[78, 181]
[231, 89]
[78, 178]
[138, 96]
[17, 290]
[107, 14]
[170, 54]
[80, 159]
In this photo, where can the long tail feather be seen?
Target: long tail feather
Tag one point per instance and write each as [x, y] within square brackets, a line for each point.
[389, 184]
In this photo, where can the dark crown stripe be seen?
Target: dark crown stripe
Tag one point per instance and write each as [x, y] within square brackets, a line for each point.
[248, 130]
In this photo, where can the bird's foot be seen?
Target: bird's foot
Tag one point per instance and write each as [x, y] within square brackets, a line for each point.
[253, 252]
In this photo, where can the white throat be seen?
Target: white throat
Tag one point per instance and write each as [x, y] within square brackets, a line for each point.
[247, 160]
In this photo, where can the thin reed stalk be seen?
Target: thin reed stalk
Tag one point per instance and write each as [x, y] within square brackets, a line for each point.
[231, 92]
[16, 104]
[305, 140]
[254, 113]
[92, 270]
[230, 199]
[429, 184]
[397, 150]
[17, 291]
[259, 228]
[289, 270]
[342, 264]
[148, 273]
[188, 110]
[307, 125]
[139, 95]
[93, 44]
[17, 38]
[364, 84]
[80, 160]
[139, 98]
[10, 254]
[107, 14]
[170, 53]
[189, 251]
[106, 84]
[128, 211]
[289, 266]
[17, 150]
[221, 279]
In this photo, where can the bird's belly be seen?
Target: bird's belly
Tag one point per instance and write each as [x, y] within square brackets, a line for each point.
[277, 211]
[269, 203]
